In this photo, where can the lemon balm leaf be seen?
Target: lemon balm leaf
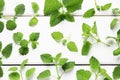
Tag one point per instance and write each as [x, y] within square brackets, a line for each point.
[68, 66]
[6, 52]
[46, 58]
[20, 9]
[89, 13]
[30, 72]
[106, 6]
[11, 25]
[35, 7]
[23, 50]
[57, 36]
[17, 37]
[14, 76]
[33, 21]
[116, 72]
[22, 65]
[72, 46]
[113, 23]
[1, 26]
[2, 4]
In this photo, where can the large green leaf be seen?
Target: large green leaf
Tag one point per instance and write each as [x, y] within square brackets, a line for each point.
[6, 52]
[50, 6]
[14, 76]
[46, 58]
[57, 36]
[20, 9]
[72, 46]
[89, 13]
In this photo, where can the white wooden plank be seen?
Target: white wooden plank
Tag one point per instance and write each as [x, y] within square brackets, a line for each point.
[10, 5]
[70, 75]
[48, 45]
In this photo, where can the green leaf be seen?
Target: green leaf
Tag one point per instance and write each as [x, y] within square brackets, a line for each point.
[106, 6]
[0, 62]
[46, 58]
[6, 52]
[57, 36]
[34, 36]
[24, 43]
[72, 46]
[33, 22]
[68, 66]
[116, 11]
[23, 50]
[86, 48]
[20, 9]
[35, 7]
[17, 37]
[113, 23]
[34, 44]
[0, 45]
[58, 56]
[94, 64]
[13, 69]
[30, 72]
[116, 72]
[1, 72]
[86, 28]
[14, 76]
[89, 13]
[22, 65]
[72, 5]
[116, 52]
[64, 42]
[11, 25]
[56, 18]
[2, 4]
[118, 35]
[94, 28]
[69, 17]
[1, 26]
[62, 61]
[43, 75]
[83, 74]
[104, 73]
[50, 6]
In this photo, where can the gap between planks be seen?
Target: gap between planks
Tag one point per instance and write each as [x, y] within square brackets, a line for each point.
[48, 16]
[54, 65]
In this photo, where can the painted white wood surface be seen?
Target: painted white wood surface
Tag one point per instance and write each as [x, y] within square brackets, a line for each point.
[48, 45]
[87, 4]
[71, 75]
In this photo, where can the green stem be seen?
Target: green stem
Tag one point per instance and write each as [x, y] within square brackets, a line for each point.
[96, 76]
[21, 74]
[95, 3]
[57, 71]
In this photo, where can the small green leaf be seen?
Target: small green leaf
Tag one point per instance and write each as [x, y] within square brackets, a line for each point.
[22, 65]
[72, 46]
[58, 56]
[64, 42]
[83, 74]
[46, 58]
[33, 22]
[116, 52]
[57, 36]
[20, 9]
[24, 43]
[116, 73]
[50, 6]
[30, 72]
[86, 28]
[94, 64]
[6, 52]
[113, 23]
[34, 36]
[56, 18]
[2, 4]
[0, 45]
[72, 5]
[106, 6]
[1, 26]
[69, 17]
[13, 69]
[34, 44]
[11, 25]
[104, 73]
[86, 48]
[68, 66]
[94, 28]
[17, 37]
[43, 75]
[23, 50]
[116, 11]
[35, 7]
[62, 61]
[89, 13]
[0, 62]
[1, 72]
[118, 35]
[14, 76]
